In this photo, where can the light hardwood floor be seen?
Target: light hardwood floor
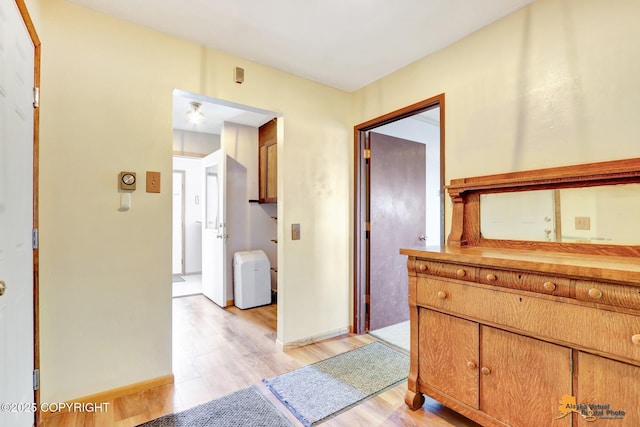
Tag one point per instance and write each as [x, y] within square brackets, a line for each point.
[216, 352]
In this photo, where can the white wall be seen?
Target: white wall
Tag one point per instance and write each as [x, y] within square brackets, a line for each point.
[249, 225]
[191, 143]
[192, 212]
[521, 215]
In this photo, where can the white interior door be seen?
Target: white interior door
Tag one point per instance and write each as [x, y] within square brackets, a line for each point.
[214, 230]
[177, 264]
[16, 216]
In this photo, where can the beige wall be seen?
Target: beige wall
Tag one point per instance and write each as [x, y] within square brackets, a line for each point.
[105, 275]
[553, 84]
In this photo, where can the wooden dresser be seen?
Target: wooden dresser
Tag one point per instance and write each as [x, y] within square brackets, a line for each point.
[521, 333]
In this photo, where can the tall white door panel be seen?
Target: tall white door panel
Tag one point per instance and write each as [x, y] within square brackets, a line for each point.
[16, 216]
[214, 229]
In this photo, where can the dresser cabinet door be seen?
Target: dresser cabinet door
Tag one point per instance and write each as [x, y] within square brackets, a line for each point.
[449, 355]
[522, 380]
[604, 382]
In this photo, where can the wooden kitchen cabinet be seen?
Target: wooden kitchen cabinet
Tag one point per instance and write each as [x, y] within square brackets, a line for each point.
[268, 162]
[527, 333]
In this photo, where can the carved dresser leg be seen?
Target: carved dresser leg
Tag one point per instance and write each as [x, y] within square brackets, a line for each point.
[413, 400]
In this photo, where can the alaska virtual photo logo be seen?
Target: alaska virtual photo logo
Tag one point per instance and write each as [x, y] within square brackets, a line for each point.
[589, 411]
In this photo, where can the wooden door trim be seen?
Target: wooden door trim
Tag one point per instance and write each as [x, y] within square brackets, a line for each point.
[359, 282]
[36, 173]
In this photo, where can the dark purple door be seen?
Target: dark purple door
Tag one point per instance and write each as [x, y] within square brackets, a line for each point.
[397, 217]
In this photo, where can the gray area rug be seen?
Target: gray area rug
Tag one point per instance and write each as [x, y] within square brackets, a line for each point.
[320, 391]
[246, 407]
[177, 278]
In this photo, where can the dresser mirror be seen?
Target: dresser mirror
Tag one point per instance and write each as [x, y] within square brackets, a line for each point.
[589, 208]
[606, 214]
[537, 291]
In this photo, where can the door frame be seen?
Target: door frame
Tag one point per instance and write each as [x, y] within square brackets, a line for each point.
[36, 161]
[183, 268]
[361, 200]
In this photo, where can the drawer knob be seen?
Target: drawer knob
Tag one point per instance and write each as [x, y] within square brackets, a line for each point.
[422, 267]
[636, 339]
[442, 294]
[485, 371]
[595, 293]
[491, 277]
[461, 273]
[471, 365]
[549, 286]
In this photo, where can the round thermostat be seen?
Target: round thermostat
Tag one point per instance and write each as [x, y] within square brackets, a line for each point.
[128, 179]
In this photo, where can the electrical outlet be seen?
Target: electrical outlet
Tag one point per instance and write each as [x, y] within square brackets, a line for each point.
[153, 182]
[583, 223]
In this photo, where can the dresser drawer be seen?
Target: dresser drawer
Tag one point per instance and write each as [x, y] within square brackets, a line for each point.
[441, 269]
[527, 281]
[601, 330]
[606, 293]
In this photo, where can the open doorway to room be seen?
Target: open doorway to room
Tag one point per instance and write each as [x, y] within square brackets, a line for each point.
[399, 180]
[187, 239]
[215, 195]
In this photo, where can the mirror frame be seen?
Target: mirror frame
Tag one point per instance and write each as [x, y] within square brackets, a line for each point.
[465, 195]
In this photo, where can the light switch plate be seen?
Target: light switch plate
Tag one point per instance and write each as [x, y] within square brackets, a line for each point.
[295, 231]
[153, 182]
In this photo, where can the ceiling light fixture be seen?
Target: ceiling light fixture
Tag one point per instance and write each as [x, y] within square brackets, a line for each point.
[194, 115]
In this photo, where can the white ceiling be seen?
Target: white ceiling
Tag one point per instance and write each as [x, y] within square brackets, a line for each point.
[419, 127]
[345, 44]
[216, 112]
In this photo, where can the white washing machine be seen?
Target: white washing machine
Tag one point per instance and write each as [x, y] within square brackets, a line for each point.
[251, 279]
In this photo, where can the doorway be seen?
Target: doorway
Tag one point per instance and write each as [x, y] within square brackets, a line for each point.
[219, 154]
[187, 230]
[399, 180]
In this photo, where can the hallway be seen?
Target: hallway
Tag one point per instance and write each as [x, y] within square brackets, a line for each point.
[216, 352]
